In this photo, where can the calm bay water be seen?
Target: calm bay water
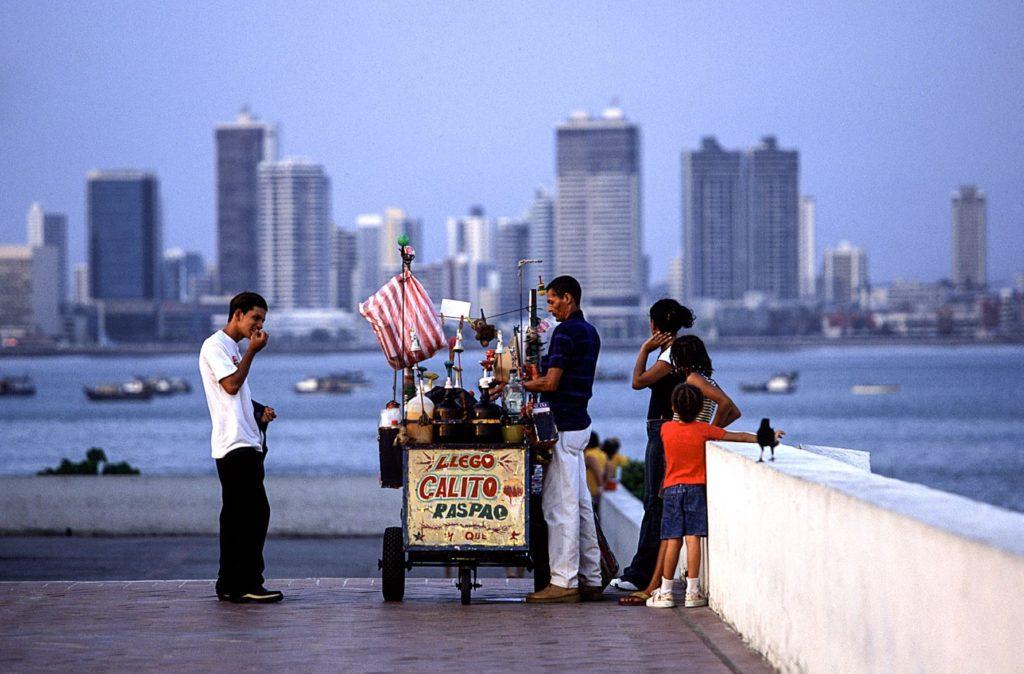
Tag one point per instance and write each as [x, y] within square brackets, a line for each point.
[957, 422]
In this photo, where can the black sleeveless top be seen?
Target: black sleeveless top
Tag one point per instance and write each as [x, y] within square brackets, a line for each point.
[660, 406]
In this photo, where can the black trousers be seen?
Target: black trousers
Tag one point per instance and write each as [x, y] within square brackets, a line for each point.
[641, 569]
[244, 518]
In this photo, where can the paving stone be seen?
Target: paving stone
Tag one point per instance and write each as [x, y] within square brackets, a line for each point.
[343, 624]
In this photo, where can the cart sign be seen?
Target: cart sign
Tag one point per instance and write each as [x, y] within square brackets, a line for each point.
[466, 497]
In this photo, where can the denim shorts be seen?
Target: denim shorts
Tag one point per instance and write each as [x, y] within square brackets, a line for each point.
[685, 511]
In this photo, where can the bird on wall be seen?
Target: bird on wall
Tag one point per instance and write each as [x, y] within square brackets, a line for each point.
[767, 437]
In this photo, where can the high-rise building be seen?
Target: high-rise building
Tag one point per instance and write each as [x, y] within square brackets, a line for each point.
[81, 295]
[28, 285]
[369, 228]
[124, 233]
[845, 274]
[676, 280]
[969, 240]
[295, 235]
[394, 224]
[512, 245]
[241, 146]
[471, 248]
[542, 234]
[183, 275]
[715, 229]
[598, 222]
[808, 285]
[51, 229]
[774, 220]
[344, 264]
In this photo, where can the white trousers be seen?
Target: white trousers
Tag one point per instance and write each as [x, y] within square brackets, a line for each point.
[569, 513]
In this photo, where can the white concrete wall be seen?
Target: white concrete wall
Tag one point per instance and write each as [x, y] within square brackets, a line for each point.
[823, 567]
[148, 505]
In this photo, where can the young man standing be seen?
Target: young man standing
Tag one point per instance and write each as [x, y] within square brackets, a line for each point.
[567, 384]
[239, 450]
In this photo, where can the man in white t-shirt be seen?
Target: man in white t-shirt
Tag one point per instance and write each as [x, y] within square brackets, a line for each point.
[239, 449]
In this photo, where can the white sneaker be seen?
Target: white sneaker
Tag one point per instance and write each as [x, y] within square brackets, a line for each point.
[694, 599]
[661, 599]
[624, 585]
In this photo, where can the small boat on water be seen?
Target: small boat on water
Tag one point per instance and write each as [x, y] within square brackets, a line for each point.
[780, 382]
[604, 375]
[874, 389]
[328, 384]
[166, 386]
[136, 389]
[17, 386]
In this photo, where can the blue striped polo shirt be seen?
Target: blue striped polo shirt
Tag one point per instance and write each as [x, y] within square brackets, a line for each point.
[574, 347]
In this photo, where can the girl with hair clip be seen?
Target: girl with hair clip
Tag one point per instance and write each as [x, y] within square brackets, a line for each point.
[691, 364]
[667, 318]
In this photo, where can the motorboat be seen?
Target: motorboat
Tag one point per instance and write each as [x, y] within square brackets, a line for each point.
[874, 389]
[328, 384]
[17, 386]
[780, 382]
[135, 389]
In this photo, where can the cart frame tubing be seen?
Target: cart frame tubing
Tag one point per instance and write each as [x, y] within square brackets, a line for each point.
[472, 553]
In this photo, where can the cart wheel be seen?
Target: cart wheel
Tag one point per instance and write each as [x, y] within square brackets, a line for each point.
[465, 583]
[392, 565]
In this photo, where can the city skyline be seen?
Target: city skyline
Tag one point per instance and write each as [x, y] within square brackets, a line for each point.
[884, 132]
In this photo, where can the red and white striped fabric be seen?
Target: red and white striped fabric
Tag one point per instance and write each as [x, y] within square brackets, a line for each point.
[384, 312]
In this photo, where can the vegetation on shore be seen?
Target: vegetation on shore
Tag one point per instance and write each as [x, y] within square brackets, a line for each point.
[95, 463]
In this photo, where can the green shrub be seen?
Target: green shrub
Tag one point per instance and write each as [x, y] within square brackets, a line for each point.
[632, 478]
[91, 466]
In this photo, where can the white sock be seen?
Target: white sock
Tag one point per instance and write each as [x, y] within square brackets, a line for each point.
[666, 584]
[692, 585]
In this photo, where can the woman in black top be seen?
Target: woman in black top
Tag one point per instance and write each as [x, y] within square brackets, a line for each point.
[667, 318]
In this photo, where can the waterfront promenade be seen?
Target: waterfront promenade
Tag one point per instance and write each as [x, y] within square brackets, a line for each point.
[343, 624]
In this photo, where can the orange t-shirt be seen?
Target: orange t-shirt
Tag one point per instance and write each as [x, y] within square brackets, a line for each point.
[684, 451]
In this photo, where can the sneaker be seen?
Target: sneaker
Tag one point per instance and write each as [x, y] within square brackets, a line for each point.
[260, 595]
[661, 599]
[624, 585]
[694, 599]
[553, 594]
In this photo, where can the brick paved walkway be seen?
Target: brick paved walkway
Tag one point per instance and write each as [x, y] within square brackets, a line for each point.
[343, 624]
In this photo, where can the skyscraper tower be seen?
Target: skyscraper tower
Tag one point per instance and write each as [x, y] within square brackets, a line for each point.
[969, 241]
[542, 234]
[125, 238]
[598, 223]
[368, 254]
[51, 229]
[808, 210]
[394, 224]
[513, 245]
[845, 273]
[774, 220]
[241, 146]
[714, 223]
[471, 255]
[345, 255]
[295, 235]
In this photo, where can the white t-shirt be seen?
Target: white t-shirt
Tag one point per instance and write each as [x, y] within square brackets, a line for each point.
[666, 357]
[234, 424]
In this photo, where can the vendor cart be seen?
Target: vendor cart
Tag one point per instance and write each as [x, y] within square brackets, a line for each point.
[465, 505]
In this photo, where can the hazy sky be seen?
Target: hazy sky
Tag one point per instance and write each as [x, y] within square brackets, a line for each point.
[437, 106]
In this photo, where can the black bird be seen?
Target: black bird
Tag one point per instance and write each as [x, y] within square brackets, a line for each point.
[766, 438]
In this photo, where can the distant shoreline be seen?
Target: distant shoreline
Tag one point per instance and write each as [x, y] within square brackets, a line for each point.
[724, 344]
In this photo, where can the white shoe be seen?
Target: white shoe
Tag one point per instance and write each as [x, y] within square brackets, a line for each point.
[661, 599]
[694, 599]
[624, 585]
